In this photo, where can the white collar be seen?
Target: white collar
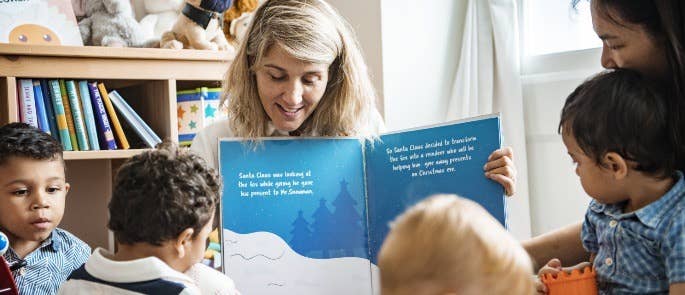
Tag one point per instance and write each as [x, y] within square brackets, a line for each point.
[145, 269]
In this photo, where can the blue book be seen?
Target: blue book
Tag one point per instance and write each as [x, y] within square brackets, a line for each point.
[139, 126]
[77, 114]
[40, 108]
[49, 109]
[88, 116]
[101, 120]
[60, 115]
[311, 213]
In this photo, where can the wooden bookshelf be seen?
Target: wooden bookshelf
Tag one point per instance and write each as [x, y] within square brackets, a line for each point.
[147, 78]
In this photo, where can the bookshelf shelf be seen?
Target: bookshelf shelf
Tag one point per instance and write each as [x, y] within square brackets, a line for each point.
[147, 78]
[97, 155]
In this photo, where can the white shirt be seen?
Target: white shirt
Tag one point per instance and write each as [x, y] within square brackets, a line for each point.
[150, 275]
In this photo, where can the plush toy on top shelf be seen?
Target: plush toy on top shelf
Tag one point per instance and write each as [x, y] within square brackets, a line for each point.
[198, 27]
[159, 16]
[111, 23]
[237, 19]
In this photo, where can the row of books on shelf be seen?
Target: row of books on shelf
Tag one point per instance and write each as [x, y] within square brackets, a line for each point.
[82, 115]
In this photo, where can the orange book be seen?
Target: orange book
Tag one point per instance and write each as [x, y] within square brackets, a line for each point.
[121, 137]
[575, 283]
[69, 115]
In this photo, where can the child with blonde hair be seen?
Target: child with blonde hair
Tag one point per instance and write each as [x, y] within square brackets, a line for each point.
[451, 245]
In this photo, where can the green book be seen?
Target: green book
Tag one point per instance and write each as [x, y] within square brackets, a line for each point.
[60, 115]
[77, 113]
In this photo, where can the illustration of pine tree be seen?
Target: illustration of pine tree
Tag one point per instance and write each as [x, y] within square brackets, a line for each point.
[301, 235]
[322, 229]
[347, 221]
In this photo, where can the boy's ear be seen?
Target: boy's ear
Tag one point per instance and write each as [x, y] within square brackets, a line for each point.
[183, 241]
[67, 186]
[616, 164]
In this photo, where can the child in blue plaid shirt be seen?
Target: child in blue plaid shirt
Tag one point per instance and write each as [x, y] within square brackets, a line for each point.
[33, 190]
[615, 128]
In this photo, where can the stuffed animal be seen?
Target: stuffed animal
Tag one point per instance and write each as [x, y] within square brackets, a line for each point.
[198, 27]
[111, 23]
[237, 19]
[159, 16]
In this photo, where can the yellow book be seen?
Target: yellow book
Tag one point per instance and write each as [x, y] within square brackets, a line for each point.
[68, 115]
[121, 137]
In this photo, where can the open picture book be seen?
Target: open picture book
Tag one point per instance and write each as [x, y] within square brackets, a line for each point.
[309, 215]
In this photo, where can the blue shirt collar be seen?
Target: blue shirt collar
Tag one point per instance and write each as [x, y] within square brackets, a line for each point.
[53, 242]
[651, 214]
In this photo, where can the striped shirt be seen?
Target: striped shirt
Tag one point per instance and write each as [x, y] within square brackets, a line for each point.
[50, 264]
[150, 275]
[641, 252]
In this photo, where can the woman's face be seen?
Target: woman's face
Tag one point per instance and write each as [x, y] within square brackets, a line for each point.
[289, 89]
[629, 46]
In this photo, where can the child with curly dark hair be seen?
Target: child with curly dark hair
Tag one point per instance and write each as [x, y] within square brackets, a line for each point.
[33, 189]
[161, 213]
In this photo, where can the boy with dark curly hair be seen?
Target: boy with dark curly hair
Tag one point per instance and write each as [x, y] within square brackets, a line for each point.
[617, 131]
[161, 213]
[33, 189]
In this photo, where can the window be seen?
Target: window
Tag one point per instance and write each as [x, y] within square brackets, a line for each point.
[553, 26]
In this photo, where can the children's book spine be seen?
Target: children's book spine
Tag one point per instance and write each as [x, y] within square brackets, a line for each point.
[40, 107]
[60, 115]
[123, 143]
[79, 124]
[101, 120]
[139, 126]
[49, 108]
[69, 115]
[88, 116]
[27, 103]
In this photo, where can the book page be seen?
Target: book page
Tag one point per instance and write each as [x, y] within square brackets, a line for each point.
[293, 216]
[406, 167]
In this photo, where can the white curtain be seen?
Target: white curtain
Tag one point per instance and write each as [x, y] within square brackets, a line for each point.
[488, 80]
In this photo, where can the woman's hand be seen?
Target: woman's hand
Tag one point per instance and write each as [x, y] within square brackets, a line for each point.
[500, 168]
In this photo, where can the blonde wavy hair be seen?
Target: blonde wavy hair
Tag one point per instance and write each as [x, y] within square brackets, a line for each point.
[451, 245]
[311, 31]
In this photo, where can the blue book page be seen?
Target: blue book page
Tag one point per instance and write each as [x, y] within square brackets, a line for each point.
[294, 216]
[406, 167]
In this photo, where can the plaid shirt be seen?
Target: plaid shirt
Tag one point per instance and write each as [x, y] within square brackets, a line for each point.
[640, 252]
[49, 266]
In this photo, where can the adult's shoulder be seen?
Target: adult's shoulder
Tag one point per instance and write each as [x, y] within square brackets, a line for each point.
[205, 143]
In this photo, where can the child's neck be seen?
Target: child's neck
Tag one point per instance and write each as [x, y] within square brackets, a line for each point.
[23, 247]
[144, 250]
[644, 190]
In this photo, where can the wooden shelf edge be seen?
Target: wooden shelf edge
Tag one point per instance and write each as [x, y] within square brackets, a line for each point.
[114, 53]
[102, 155]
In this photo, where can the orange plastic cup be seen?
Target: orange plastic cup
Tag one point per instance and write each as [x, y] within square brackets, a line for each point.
[575, 283]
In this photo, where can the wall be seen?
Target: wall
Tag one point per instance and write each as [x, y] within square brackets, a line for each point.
[556, 196]
[365, 18]
[420, 53]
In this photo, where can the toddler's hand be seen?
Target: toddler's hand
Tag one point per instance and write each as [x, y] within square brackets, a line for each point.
[552, 267]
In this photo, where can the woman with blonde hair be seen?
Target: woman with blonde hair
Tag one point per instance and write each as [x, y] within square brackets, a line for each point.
[300, 72]
[451, 245]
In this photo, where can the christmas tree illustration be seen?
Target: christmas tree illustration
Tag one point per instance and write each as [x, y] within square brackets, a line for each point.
[322, 229]
[301, 235]
[347, 221]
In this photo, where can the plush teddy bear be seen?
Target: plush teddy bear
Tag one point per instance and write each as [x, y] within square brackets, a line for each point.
[198, 27]
[159, 16]
[237, 19]
[111, 23]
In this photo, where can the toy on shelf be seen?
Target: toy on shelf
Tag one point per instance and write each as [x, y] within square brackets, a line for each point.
[237, 19]
[159, 16]
[577, 282]
[197, 108]
[212, 256]
[111, 23]
[197, 27]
